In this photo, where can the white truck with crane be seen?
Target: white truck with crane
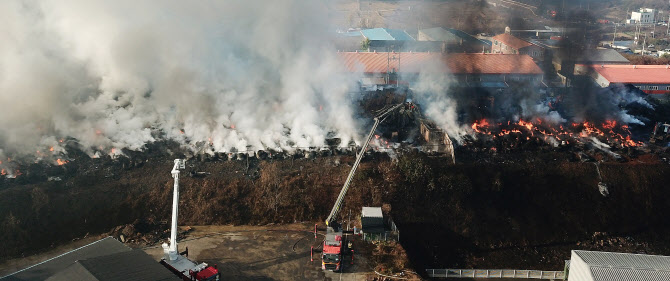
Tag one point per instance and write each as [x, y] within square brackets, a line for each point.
[333, 244]
[183, 267]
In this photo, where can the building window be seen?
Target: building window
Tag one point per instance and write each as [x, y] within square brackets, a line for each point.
[667, 88]
[653, 87]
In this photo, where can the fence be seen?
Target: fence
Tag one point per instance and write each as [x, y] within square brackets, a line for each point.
[496, 273]
[393, 234]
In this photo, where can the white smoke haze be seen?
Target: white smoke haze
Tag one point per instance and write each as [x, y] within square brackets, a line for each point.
[111, 74]
[432, 93]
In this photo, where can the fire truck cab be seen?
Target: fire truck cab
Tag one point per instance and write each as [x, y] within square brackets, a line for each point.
[332, 251]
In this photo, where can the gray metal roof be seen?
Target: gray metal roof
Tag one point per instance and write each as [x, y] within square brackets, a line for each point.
[594, 56]
[625, 260]
[623, 274]
[607, 266]
[134, 265]
[375, 212]
[603, 55]
[43, 270]
[441, 34]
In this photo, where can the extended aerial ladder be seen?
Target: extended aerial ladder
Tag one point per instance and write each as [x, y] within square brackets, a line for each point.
[330, 221]
[333, 245]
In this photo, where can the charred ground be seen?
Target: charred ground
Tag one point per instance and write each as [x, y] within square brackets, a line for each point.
[518, 210]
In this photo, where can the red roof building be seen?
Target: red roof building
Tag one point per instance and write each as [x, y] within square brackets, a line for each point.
[464, 67]
[651, 79]
[457, 63]
[508, 44]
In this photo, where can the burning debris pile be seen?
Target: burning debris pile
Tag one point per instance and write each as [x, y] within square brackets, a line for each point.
[609, 136]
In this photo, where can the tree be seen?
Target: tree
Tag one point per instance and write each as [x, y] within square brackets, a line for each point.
[365, 45]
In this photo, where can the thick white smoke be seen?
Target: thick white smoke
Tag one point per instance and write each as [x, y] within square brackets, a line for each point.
[116, 74]
[432, 93]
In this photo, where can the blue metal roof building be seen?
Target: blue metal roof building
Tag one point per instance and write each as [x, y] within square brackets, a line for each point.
[385, 34]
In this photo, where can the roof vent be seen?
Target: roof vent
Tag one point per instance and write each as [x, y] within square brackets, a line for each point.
[356, 51]
[602, 66]
[634, 66]
[375, 51]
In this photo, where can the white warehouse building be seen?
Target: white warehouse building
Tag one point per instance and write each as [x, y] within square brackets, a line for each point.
[606, 266]
[644, 15]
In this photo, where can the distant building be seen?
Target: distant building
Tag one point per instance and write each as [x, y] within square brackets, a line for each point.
[606, 266]
[469, 70]
[651, 79]
[454, 41]
[385, 39]
[508, 44]
[644, 16]
[564, 62]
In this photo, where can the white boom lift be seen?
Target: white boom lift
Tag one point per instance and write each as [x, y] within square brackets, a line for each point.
[172, 251]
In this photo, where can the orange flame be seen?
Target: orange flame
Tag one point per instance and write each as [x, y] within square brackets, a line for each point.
[60, 162]
[51, 149]
[3, 172]
[480, 124]
[609, 124]
[232, 126]
[528, 125]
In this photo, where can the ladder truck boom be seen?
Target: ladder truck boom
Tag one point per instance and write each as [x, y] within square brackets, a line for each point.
[338, 203]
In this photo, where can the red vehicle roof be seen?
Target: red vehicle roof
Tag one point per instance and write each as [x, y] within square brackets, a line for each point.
[457, 63]
[331, 249]
[634, 74]
[206, 273]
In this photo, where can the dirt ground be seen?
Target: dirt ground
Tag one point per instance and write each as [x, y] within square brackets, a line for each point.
[279, 252]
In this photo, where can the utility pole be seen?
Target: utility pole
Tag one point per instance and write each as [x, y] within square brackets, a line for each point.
[614, 38]
[668, 31]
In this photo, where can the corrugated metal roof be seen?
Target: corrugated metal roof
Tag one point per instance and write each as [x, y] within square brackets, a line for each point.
[626, 274]
[634, 74]
[456, 63]
[624, 260]
[384, 34]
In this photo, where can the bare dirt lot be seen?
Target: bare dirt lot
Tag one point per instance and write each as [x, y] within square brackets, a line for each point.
[263, 253]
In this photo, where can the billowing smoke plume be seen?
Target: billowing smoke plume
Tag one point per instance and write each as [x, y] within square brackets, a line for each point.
[454, 108]
[121, 74]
